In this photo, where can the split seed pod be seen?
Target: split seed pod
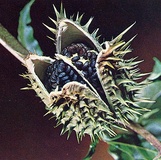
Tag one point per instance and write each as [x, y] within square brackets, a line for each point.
[88, 88]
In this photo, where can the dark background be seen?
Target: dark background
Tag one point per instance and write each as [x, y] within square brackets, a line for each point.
[24, 133]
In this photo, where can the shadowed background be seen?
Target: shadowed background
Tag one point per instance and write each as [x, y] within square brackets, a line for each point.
[24, 132]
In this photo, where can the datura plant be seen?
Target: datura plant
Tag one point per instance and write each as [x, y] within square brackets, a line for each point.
[88, 86]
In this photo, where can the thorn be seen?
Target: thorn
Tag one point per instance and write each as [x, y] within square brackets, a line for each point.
[47, 113]
[52, 39]
[50, 28]
[51, 117]
[69, 133]
[121, 34]
[136, 62]
[77, 16]
[95, 32]
[88, 23]
[26, 88]
[122, 53]
[62, 12]
[56, 12]
[55, 22]
[127, 44]
[71, 17]
[97, 38]
[117, 45]
[142, 74]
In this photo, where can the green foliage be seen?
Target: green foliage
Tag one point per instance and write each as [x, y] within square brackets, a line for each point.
[25, 31]
[125, 151]
[153, 91]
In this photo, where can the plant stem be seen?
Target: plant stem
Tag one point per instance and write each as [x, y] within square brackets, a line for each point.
[12, 45]
[145, 134]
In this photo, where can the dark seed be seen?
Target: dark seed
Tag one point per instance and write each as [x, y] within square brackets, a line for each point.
[53, 79]
[54, 85]
[64, 51]
[79, 64]
[89, 54]
[62, 74]
[76, 58]
[85, 55]
[61, 67]
[65, 78]
[94, 75]
[82, 51]
[67, 81]
[94, 69]
[92, 63]
[71, 48]
[68, 54]
[55, 72]
[86, 65]
[57, 80]
[55, 65]
[79, 47]
[90, 71]
[82, 82]
[71, 73]
[75, 77]
[85, 73]
[68, 68]
[94, 56]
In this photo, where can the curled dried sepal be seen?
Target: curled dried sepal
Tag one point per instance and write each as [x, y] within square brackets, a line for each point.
[80, 109]
[70, 30]
[36, 66]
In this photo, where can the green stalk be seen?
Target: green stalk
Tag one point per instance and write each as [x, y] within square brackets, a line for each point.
[146, 135]
[12, 45]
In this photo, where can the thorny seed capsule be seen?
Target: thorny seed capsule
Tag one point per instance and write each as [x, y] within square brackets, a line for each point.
[110, 90]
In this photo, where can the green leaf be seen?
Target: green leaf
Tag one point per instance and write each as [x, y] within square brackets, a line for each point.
[25, 31]
[123, 151]
[156, 70]
[152, 92]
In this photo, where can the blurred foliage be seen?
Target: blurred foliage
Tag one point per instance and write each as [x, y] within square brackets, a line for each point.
[124, 151]
[25, 31]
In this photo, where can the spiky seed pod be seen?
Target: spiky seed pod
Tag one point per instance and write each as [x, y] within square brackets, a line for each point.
[87, 88]
[109, 79]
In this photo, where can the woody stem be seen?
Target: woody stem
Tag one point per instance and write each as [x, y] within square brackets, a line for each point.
[145, 134]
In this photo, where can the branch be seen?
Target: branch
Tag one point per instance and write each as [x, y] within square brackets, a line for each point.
[145, 134]
[12, 45]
